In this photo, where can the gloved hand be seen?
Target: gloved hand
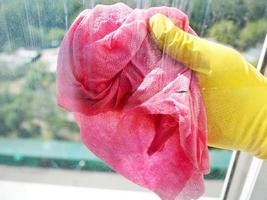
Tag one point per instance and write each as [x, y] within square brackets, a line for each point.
[234, 93]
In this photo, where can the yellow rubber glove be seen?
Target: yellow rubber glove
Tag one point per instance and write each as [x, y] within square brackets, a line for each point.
[234, 93]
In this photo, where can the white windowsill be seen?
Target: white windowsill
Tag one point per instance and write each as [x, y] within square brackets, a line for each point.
[25, 183]
[10, 190]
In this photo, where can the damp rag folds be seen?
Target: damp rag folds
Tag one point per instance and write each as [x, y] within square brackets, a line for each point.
[138, 110]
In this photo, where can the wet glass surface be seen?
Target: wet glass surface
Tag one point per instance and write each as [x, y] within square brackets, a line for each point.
[34, 131]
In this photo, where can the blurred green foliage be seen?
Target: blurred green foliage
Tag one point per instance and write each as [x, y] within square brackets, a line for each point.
[42, 23]
[253, 32]
[35, 23]
[240, 23]
[27, 93]
[224, 31]
[32, 110]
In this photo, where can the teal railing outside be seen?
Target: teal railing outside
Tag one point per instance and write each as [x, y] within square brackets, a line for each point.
[74, 155]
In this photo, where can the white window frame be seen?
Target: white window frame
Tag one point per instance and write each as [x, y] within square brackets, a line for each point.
[246, 173]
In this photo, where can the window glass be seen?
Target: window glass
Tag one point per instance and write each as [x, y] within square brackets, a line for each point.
[34, 131]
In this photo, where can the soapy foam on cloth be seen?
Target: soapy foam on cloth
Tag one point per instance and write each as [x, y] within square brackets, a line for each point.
[138, 110]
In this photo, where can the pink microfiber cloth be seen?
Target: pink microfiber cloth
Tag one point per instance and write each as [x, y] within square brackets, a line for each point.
[138, 110]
